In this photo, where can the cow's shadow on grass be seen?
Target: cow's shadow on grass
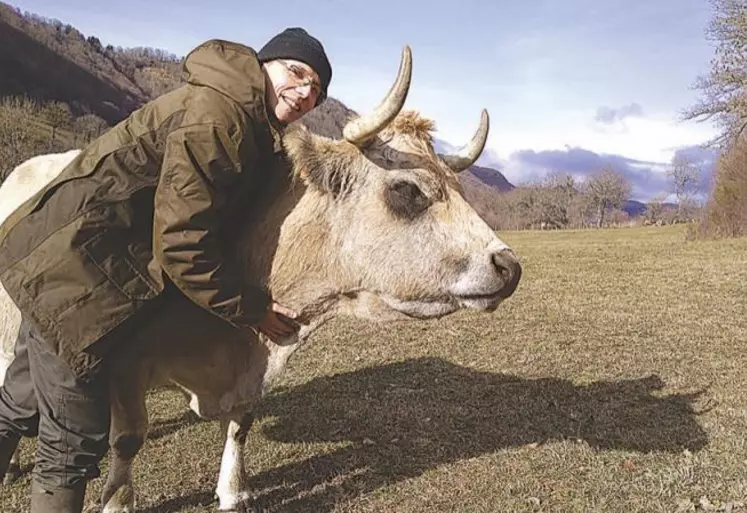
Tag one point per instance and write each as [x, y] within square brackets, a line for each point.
[160, 429]
[401, 420]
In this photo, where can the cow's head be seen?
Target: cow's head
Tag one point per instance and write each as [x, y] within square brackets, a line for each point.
[382, 223]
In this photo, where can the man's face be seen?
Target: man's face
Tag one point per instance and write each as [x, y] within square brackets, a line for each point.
[294, 90]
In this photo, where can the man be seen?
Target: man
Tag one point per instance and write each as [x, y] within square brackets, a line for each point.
[143, 212]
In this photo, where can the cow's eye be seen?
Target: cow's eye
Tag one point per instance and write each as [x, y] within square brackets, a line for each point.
[406, 200]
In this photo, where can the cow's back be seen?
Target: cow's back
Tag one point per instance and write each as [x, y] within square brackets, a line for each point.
[23, 182]
[30, 177]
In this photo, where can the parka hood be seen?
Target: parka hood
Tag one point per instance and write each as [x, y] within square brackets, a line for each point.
[230, 68]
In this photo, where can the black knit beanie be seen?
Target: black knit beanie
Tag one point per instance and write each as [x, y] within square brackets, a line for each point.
[295, 43]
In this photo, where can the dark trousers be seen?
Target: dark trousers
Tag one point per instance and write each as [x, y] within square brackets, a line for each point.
[41, 397]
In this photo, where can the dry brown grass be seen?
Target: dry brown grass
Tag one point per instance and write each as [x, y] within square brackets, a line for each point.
[613, 381]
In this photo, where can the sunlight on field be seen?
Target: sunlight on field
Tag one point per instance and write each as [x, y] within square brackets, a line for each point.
[614, 380]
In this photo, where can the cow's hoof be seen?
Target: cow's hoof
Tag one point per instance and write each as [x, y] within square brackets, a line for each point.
[119, 508]
[240, 508]
[121, 501]
[236, 503]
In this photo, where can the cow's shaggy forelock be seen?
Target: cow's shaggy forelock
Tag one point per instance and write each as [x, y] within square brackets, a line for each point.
[411, 124]
[336, 166]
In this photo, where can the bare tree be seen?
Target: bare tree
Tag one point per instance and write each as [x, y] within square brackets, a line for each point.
[553, 202]
[654, 210]
[18, 135]
[90, 126]
[607, 189]
[57, 115]
[581, 211]
[685, 173]
[724, 88]
[558, 192]
[618, 217]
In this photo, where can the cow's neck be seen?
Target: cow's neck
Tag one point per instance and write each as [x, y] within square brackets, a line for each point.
[287, 249]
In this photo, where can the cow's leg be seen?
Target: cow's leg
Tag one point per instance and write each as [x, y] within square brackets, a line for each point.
[232, 491]
[129, 419]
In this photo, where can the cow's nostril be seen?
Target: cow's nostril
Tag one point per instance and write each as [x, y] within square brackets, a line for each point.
[502, 269]
[509, 269]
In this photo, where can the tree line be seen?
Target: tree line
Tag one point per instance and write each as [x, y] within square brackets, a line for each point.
[29, 128]
[562, 201]
[723, 100]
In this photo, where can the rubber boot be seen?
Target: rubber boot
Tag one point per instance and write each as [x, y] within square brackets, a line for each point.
[57, 500]
[8, 472]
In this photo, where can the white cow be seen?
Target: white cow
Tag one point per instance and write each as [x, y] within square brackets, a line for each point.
[374, 226]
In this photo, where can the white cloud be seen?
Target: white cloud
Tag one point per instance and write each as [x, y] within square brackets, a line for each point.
[652, 139]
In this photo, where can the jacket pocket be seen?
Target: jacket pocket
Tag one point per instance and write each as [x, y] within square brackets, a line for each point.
[113, 255]
[61, 285]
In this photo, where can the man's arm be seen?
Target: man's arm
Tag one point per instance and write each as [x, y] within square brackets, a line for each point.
[201, 163]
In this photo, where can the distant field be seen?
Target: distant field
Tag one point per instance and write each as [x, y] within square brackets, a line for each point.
[615, 380]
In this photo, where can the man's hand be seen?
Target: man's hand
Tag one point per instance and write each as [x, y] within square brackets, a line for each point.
[278, 322]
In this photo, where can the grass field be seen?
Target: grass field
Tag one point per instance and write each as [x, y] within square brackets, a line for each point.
[613, 381]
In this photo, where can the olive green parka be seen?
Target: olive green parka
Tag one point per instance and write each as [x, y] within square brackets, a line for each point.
[148, 203]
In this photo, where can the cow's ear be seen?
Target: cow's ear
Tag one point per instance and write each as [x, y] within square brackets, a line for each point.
[321, 162]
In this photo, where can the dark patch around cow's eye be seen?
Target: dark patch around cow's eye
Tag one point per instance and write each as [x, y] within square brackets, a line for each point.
[406, 200]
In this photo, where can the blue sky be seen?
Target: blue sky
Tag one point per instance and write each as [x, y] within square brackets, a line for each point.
[605, 79]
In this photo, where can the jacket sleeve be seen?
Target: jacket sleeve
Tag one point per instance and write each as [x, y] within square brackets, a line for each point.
[201, 163]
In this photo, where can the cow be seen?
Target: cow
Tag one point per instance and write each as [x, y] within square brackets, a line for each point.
[373, 225]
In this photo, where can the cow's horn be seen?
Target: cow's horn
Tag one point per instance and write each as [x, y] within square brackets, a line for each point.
[472, 151]
[362, 129]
